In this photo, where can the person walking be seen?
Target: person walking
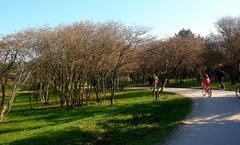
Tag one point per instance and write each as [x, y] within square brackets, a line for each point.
[220, 75]
[156, 81]
[238, 77]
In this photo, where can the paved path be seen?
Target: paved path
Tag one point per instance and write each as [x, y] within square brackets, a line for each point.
[213, 121]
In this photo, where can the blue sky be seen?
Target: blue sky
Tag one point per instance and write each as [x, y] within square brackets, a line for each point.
[165, 17]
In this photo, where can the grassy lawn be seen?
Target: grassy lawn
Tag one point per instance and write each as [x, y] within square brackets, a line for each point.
[197, 85]
[136, 118]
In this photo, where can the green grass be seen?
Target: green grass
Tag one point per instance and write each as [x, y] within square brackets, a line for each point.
[189, 83]
[136, 118]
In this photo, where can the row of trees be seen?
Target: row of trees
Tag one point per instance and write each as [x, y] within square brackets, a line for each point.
[76, 60]
[186, 55]
[71, 60]
[166, 58]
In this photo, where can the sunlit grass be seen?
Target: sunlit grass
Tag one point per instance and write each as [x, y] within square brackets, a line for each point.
[136, 118]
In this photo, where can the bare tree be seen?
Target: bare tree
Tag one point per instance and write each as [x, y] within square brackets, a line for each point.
[229, 29]
[163, 58]
[20, 66]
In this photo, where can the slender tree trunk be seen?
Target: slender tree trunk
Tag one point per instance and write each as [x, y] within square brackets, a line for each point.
[62, 94]
[113, 88]
[6, 109]
[4, 83]
[87, 95]
[160, 90]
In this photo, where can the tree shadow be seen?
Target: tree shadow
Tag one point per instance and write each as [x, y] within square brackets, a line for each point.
[69, 136]
[61, 115]
[132, 94]
[18, 129]
[145, 119]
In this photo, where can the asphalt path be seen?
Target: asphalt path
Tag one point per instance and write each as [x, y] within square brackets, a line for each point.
[213, 121]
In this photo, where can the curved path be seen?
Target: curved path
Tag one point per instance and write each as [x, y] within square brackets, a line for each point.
[213, 121]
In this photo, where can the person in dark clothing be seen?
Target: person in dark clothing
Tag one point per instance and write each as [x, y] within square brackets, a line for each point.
[220, 76]
[150, 80]
[238, 77]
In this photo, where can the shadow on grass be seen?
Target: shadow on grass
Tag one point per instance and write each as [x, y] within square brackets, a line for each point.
[146, 119]
[58, 115]
[124, 124]
[132, 94]
[62, 115]
[17, 129]
[69, 136]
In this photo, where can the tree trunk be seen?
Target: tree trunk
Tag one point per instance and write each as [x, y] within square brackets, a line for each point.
[6, 109]
[4, 83]
[62, 94]
[113, 89]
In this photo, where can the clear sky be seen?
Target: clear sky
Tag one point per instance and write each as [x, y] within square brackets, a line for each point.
[165, 17]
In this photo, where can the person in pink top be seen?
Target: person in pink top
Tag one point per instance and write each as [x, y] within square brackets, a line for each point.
[206, 82]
